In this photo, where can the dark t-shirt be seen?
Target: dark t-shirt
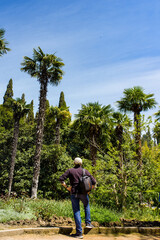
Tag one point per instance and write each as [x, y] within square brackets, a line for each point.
[74, 174]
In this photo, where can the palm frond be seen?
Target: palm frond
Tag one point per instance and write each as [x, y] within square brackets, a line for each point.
[43, 66]
[3, 43]
[136, 100]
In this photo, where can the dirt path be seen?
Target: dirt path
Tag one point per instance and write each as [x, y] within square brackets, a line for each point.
[86, 237]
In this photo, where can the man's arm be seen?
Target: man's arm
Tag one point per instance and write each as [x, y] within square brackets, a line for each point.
[62, 178]
[93, 186]
[66, 187]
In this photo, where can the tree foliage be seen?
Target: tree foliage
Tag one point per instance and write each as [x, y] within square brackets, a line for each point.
[3, 43]
[110, 133]
[9, 92]
[20, 109]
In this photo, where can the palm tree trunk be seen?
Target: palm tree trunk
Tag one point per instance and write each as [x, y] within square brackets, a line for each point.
[13, 155]
[57, 140]
[119, 137]
[116, 194]
[39, 138]
[93, 149]
[139, 151]
[122, 163]
[124, 191]
[138, 138]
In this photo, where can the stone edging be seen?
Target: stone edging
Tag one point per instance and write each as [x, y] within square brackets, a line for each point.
[70, 230]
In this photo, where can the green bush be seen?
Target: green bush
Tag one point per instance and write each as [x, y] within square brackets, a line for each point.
[143, 213]
[15, 209]
[10, 214]
[20, 209]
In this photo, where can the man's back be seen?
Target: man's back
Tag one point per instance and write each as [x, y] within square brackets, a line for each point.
[74, 175]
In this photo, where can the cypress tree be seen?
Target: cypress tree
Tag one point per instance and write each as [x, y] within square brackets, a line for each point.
[30, 118]
[47, 105]
[9, 92]
[62, 102]
[23, 97]
[62, 105]
[62, 114]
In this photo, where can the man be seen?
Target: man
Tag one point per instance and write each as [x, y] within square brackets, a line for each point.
[74, 174]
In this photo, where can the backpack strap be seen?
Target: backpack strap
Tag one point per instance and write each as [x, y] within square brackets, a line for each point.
[83, 172]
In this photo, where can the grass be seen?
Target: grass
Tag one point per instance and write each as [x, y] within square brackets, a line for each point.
[142, 214]
[27, 209]
[9, 214]
[18, 209]
[15, 210]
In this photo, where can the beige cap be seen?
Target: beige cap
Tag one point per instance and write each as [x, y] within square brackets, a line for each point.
[78, 161]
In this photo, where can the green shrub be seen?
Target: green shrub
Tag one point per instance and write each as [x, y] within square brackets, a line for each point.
[46, 209]
[142, 213]
[10, 214]
[20, 209]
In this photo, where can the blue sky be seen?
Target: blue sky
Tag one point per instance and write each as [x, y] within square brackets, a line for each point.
[106, 45]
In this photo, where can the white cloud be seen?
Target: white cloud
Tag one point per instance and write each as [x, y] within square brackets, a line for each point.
[112, 79]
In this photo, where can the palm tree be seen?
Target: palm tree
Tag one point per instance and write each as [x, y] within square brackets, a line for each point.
[55, 120]
[3, 43]
[20, 109]
[157, 115]
[47, 69]
[156, 133]
[136, 101]
[122, 122]
[156, 129]
[91, 119]
[61, 116]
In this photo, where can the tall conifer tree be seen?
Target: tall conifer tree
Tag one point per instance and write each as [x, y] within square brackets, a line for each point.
[23, 97]
[9, 92]
[62, 112]
[62, 102]
[30, 118]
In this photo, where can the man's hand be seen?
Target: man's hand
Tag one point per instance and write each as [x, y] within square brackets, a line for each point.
[69, 188]
[65, 185]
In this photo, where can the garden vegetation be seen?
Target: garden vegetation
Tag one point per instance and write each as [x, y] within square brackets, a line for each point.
[122, 152]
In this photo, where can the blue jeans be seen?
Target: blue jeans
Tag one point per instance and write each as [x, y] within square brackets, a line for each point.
[76, 210]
